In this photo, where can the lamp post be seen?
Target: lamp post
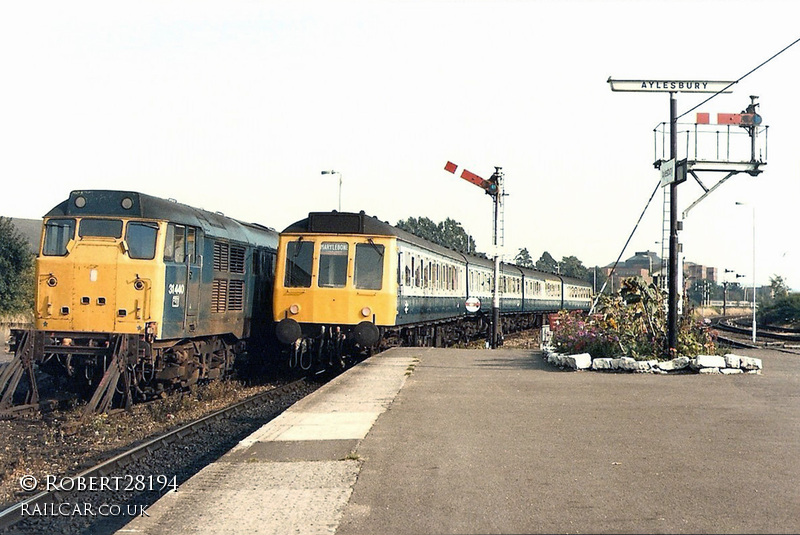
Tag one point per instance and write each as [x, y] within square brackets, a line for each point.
[754, 266]
[332, 172]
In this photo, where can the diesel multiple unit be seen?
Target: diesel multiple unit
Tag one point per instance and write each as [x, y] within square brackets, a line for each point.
[346, 281]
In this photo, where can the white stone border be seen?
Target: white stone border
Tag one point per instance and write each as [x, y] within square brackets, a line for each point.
[729, 364]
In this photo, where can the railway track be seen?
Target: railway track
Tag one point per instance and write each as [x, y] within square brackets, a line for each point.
[738, 335]
[133, 480]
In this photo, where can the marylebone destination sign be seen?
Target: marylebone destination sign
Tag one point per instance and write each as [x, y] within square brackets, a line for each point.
[663, 85]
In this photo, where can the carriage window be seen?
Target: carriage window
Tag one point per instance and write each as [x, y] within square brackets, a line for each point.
[102, 228]
[141, 240]
[299, 255]
[369, 266]
[333, 264]
[57, 233]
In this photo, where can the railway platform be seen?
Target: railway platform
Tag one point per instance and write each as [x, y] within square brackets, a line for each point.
[424, 440]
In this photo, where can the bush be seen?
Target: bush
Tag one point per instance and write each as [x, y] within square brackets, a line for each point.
[632, 323]
[783, 311]
[16, 271]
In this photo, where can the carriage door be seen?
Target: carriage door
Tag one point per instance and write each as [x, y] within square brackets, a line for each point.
[193, 265]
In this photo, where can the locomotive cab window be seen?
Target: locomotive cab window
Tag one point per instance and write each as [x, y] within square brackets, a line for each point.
[57, 233]
[175, 244]
[100, 228]
[299, 258]
[141, 240]
[369, 266]
[333, 264]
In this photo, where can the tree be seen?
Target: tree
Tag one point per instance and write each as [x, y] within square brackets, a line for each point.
[448, 233]
[778, 287]
[422, 227]
[570, 266]
[16, 270]
[547, 263]
[454, 236]
[524, 259]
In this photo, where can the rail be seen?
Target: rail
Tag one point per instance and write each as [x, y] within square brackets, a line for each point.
[13, 514]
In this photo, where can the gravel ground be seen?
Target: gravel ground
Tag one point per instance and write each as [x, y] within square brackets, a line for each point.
[57, 444]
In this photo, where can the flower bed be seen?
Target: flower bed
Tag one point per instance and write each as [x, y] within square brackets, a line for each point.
[628, 333]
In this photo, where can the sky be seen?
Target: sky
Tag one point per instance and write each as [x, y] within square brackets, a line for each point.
[238, 106]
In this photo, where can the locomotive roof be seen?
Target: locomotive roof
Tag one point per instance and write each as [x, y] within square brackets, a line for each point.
[114, 203]
[361, 223]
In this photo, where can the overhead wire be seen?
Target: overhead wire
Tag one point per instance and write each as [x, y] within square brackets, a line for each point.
[740, 78]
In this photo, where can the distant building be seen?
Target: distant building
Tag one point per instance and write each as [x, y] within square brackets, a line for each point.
[692, 271]
[647, 266]
[644, 265]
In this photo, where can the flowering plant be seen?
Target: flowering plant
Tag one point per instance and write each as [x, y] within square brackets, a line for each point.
[631, 323]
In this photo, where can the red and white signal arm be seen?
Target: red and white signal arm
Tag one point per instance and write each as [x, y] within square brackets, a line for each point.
[473, 304]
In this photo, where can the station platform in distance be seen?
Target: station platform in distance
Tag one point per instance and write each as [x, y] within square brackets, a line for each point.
[429, 440]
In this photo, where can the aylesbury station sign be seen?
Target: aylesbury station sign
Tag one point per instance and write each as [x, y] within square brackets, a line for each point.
[671, 86]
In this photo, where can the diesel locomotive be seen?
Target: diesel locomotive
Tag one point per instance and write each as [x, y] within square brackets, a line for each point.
[348, 282]
[136, 295]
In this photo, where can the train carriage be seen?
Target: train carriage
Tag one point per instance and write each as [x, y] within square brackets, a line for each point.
[146, 291]
[347, 282]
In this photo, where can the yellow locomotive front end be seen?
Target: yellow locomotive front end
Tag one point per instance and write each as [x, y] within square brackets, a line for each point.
[335, 285]
[86, 283]
[341, 281]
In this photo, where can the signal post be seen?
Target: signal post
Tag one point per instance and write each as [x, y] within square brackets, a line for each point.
[674, 172]
[493, 188]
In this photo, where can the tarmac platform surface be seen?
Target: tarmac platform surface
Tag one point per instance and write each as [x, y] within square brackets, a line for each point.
[424, 440]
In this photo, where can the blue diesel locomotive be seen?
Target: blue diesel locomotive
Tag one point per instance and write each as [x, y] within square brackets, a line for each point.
[137, 294]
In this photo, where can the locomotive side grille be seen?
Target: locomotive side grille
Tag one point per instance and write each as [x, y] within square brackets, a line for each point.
[221, 256]
[219, 295]
[237, 259]
[235, 295]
